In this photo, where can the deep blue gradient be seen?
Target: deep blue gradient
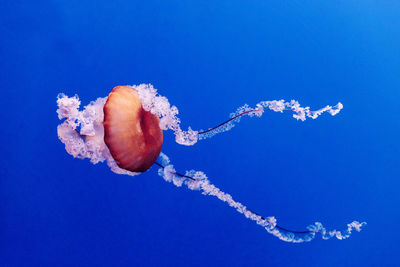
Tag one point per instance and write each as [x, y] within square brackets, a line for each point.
[208, 58]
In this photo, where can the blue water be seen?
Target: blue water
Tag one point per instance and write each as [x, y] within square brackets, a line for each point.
[208, 58]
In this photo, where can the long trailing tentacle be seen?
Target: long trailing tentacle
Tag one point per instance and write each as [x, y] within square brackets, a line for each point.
[167, 113]
[197, 180]
[277, 226]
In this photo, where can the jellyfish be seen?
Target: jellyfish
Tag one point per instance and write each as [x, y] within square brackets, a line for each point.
[125, 129]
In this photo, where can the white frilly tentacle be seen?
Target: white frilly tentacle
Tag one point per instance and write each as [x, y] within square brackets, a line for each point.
[201, 183]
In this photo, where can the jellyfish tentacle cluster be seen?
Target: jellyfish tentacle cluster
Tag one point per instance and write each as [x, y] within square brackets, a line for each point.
[125, 130]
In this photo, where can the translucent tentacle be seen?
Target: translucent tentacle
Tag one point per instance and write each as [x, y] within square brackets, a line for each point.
[197, 180]
[159, 105]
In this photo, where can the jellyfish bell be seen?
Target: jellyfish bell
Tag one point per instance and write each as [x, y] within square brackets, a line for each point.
[132, 134]
[125, 129]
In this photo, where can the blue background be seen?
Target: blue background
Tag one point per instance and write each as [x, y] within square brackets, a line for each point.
[208, 58]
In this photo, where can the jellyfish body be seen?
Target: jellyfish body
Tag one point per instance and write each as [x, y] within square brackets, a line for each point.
[126, 130]
[131, 133]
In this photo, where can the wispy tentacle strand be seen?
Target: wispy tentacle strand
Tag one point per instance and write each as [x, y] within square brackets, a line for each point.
[197, 180]
[160, 105]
